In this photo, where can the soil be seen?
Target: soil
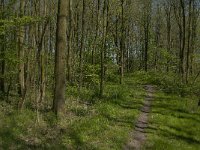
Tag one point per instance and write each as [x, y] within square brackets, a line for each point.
[138, 136]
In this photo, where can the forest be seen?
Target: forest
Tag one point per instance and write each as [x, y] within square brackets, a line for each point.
[100, 74]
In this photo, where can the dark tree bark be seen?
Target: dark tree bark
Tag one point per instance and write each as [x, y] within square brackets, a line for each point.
[2, 55]
[69, 46]
[168, 11]
[193, 35]
[103, 49]
[157, 37]
[82, 46]
[2, 66]
[96, 31]
[188, 40]
[21, 54]
[122, 43]
[59, 93]
[147, 18]
[182, 37]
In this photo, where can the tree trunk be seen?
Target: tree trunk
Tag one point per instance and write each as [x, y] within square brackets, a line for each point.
[2, 58]
[82, 47]
[193, 35]
[182, 36]
[168, 21]
[188, 41]
[96, 32]
[2, 65]
[146, 34]
[146, 45]
[122, 44]
[59, 92]
[103, 49]
[21, 52]
[69, 53]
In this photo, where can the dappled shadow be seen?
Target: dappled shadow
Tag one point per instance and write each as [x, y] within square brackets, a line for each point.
[79, 144]
[134, 105]
[122, 120]
[170, 109]
[11, 141]
[166, 107]
[170, 134]
[181, 115]
[76, 137]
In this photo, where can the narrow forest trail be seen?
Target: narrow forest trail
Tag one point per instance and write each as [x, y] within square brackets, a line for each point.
[138, 136]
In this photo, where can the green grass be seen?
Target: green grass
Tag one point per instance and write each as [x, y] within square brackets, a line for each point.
[93, 123]
[88, 123]
[174, 123]
[109, 121]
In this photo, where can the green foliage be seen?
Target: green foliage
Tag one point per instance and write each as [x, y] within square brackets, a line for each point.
[168, 82]
[91, 75]
[111, 73]
[7, 24]
[116, 92]
[86, 94]
[141, 77]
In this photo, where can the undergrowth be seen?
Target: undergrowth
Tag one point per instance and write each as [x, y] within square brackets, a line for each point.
[88, 123]
[170, 83]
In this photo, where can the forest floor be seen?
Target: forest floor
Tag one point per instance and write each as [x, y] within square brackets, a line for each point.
[102, 124]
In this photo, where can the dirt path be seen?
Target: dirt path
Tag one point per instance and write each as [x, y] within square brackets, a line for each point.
[138, 137]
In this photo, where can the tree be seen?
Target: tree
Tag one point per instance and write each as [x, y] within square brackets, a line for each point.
[103, 49]
[59, 92]
[183, 36]
[146, 26]
[2, 55]
[82, 45]
[188, 40]
[168, 12]
[21, 53]
[122, 42]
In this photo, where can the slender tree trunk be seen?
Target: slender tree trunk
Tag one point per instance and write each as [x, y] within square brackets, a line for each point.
[41, 63]
[146, 34]
[168, 21]
[157, 37]
[69, 43]
[21, 54]
[182, 53]
[128, 51]
[188, 40]
[2, 55]
[122, 43]
[2, 66]
[146, 46]
[116, 41]
[103, 49]
[193, 35]
[82, 46]
[96, 32]
[59, 93]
